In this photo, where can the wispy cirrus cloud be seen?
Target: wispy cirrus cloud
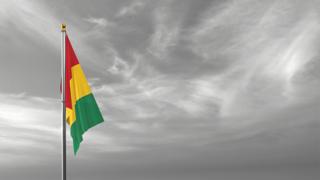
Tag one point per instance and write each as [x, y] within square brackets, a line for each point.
[189, 85]
[255, 53]
[101, 22]
[19, 14]
[130, 9]
[29, 125]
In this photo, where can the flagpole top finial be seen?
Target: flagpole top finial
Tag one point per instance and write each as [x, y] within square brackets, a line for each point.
[63, 27]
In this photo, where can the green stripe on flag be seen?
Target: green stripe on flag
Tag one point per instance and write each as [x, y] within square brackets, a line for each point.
[88, 115]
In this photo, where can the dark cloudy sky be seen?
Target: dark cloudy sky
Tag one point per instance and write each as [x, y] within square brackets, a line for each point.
[189, 89]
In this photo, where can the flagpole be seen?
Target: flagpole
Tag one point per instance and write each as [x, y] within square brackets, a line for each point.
[63, 97]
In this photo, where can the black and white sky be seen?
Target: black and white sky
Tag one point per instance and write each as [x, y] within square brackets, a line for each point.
[189, 89]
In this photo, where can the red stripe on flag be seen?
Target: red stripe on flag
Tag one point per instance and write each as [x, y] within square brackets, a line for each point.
[71, 60]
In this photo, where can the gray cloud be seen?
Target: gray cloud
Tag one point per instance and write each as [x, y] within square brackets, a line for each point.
[189, 89]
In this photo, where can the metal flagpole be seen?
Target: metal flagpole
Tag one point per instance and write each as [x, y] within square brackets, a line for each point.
[63, 97]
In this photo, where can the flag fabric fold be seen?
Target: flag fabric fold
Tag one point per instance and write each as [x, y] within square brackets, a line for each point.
[82, 111]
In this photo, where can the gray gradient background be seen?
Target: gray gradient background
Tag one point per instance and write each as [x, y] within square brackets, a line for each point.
[190, 89]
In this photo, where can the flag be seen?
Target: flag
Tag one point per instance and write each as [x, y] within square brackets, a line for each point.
[82, 111]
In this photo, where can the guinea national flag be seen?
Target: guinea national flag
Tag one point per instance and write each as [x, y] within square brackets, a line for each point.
[82, 111]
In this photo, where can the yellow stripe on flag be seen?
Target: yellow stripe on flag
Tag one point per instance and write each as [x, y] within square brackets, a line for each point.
[79, 88]
[78, 83]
